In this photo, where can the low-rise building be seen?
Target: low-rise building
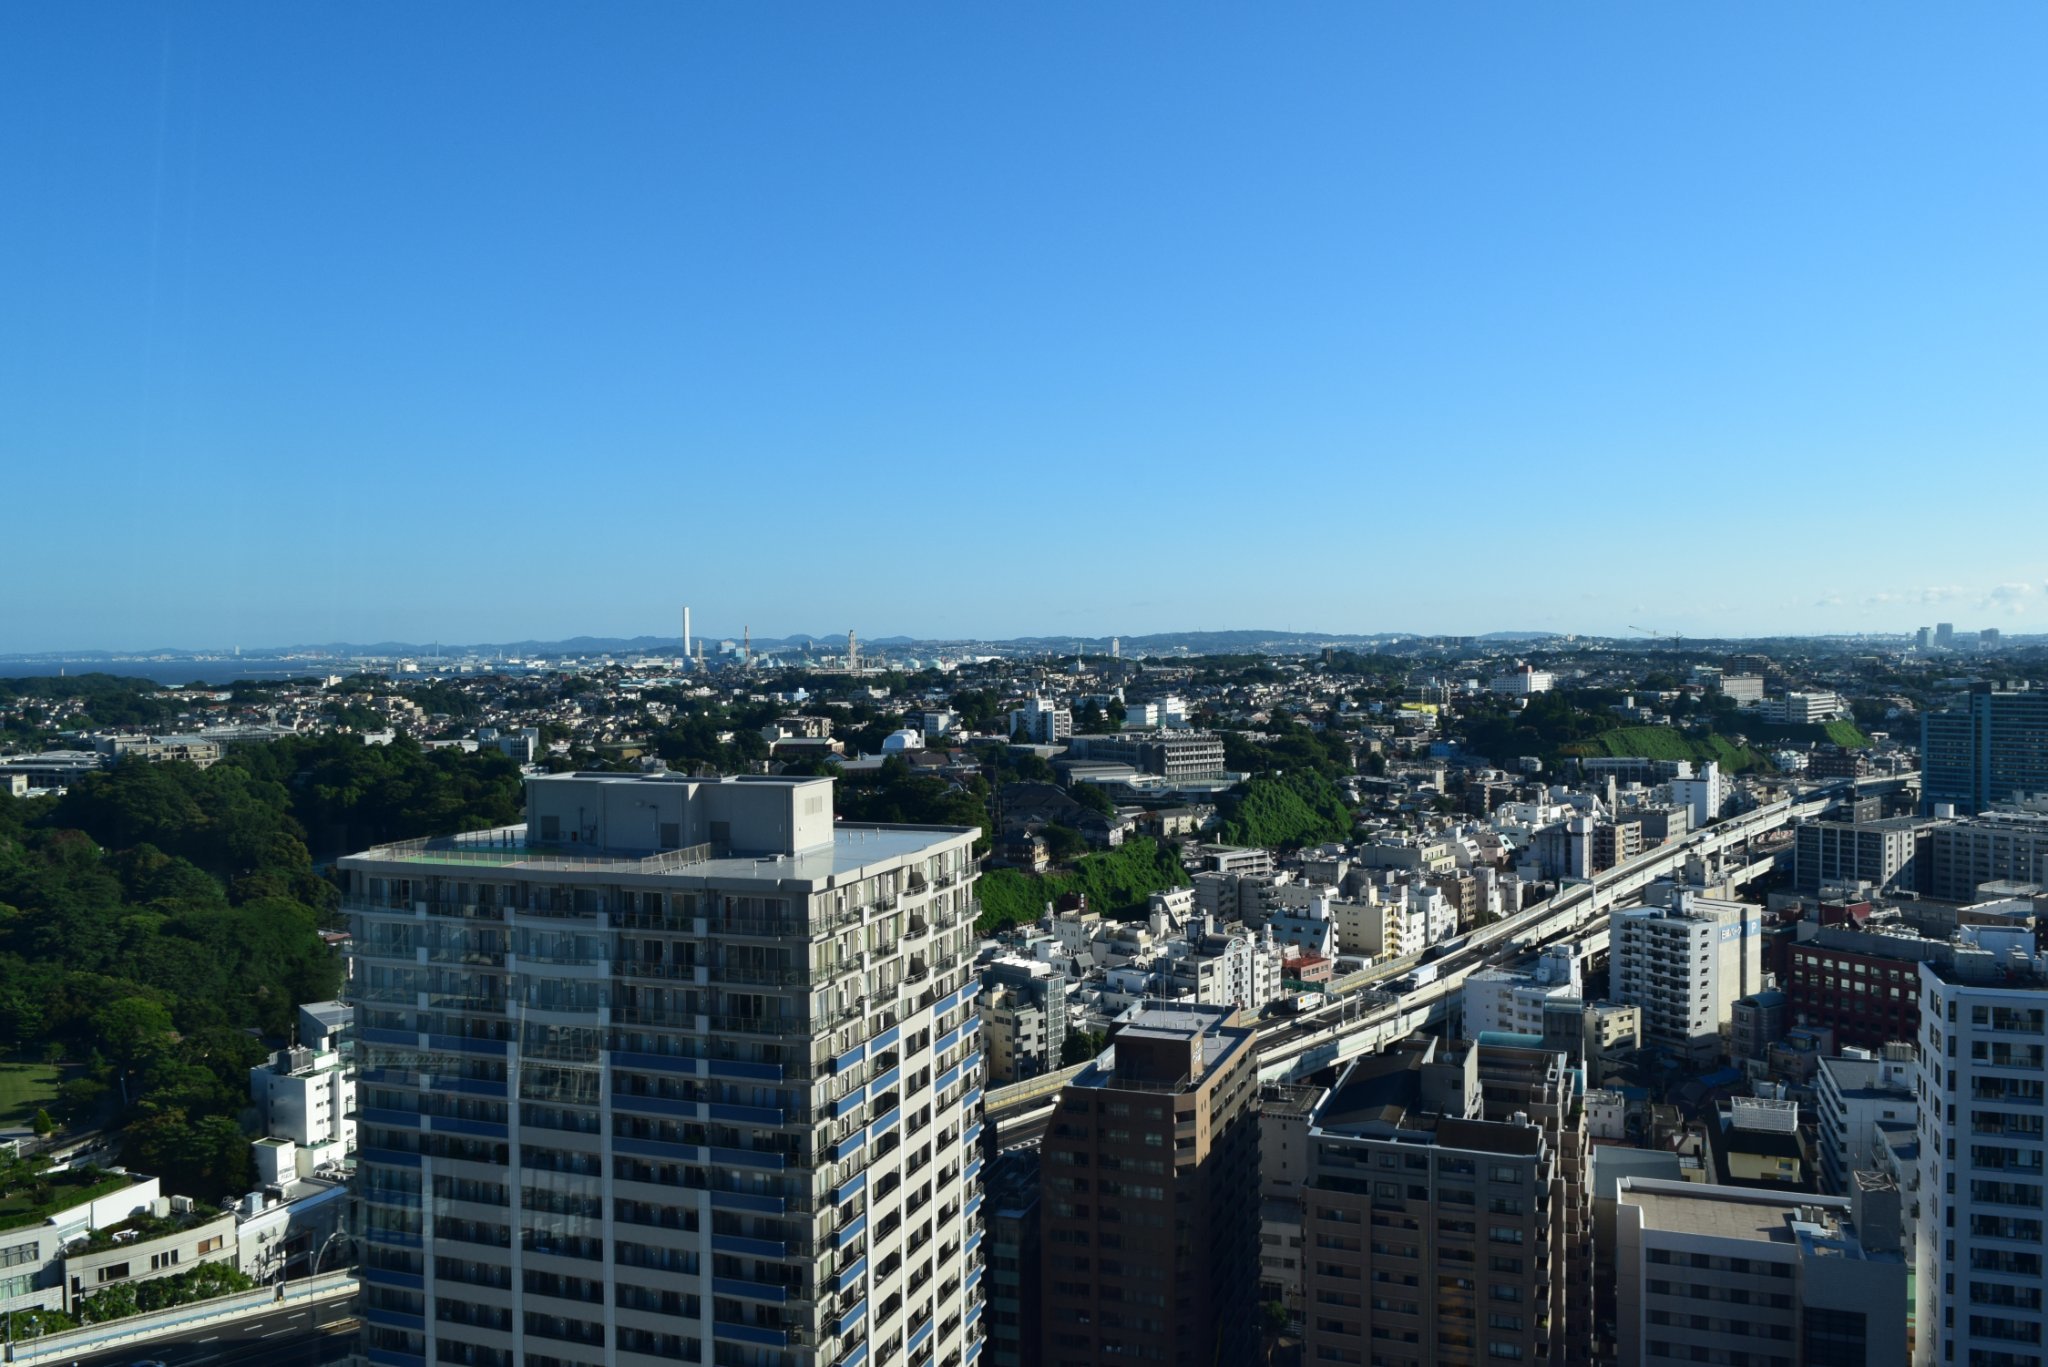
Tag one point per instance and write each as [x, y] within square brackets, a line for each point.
[1862, 985]
[145, 1246]
[159, 749]
[1720, 1274]
[1024, 1014]
[2002, 845]
[1512, 999]
[32, 1273]
[1171, 755]
[1860, 1097]
[308, 1096]
[1042, 722]
[1522, 682]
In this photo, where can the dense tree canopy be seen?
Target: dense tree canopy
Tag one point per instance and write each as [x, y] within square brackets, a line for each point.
[111, 699]
[1286, 811]
[347, 796]
[893, 795]
[1116, 883]
[159, 922]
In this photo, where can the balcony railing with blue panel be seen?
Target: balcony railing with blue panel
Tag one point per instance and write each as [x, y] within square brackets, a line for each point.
[745, 1290]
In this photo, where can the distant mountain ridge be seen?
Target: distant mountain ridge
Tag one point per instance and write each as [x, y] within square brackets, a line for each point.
[1194, 642]
[1236, 641]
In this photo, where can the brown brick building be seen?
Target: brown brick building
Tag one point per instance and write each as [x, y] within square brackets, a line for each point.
[1446, 1216]
[1150, 1197]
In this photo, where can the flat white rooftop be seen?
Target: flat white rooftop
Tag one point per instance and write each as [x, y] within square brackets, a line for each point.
[854, 852]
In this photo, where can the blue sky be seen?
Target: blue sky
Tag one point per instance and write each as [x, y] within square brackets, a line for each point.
[485, 322]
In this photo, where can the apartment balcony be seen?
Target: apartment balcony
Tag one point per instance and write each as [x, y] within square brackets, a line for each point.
[648, 971]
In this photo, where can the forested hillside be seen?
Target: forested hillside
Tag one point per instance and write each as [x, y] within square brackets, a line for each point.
[159, 925]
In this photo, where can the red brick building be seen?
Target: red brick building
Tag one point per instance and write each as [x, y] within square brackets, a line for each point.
[1860, 986]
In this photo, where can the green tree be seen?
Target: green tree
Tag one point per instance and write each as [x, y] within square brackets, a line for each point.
[1081, 1046]
[1118, 883]
[134, 1030]
[1093, 797]
[1064, 842]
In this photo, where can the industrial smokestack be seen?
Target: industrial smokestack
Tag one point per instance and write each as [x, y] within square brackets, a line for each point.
[686, 637]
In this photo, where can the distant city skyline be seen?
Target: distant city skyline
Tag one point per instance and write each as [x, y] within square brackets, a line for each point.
[985, 322]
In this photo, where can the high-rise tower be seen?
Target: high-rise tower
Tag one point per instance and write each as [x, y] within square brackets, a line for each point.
[1990, 746]
[1150, 1240]
[1979, 1243]
[677, 1071]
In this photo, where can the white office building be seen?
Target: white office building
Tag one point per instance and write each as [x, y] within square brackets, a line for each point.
[677, 1071]
[1523, 682]
[308, 1098]
[1512, 999]
[1686, 965]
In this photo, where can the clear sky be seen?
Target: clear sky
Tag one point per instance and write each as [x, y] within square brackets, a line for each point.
[470, 321]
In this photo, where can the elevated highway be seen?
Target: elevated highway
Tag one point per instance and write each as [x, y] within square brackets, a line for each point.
[1363, 1016]
[1296, 1047]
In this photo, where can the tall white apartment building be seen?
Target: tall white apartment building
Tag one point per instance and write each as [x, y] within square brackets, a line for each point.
[1701, 794]
[1686, 965]
[1042, 721]
[1984, 1025]
[1219, 968]
[677, 1071]
[1512, 999]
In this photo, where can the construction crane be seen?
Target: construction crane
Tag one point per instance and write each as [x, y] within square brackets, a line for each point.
[1677, 642]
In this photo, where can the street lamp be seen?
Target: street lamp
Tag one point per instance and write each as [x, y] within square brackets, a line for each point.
[327, 1243]
[313, 1306]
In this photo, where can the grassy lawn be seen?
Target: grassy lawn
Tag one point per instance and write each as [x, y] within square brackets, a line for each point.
[1847, 734]
[22, 1205]
[1668, 742]
[23, 1088]
[1651, 742]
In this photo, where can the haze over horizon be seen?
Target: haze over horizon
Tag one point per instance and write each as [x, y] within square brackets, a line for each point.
[829, 642]
[524, 323]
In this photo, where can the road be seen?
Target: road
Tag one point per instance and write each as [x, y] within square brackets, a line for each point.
[305, 1336]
